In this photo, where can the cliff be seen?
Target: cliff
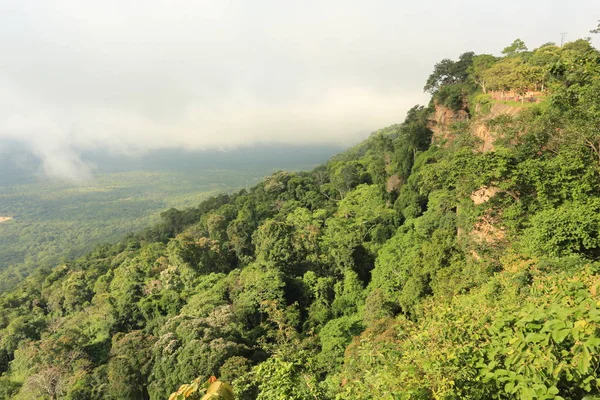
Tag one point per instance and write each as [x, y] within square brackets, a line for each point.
[445, 122]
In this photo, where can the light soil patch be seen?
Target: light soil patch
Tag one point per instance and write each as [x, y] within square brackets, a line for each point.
[4, 219]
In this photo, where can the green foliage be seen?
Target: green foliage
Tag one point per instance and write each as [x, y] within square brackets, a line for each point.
[477, 70]
[487, 344]
[354, 227]
[334, 338]
[278, 378]
[572, 228]
[550, 348]
[398, 270]
[129, 365]
[54, 220]
[448, 72]
[212, 390]
[518, 46]
[453, 96]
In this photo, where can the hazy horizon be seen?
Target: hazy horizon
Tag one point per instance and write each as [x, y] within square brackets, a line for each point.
[82, 76]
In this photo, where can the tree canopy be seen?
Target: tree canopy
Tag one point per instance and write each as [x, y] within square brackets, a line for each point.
[411, 266]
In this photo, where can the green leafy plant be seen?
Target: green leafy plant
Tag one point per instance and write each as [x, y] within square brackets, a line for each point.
[212, 389]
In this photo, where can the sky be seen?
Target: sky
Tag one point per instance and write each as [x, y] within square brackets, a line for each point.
[134, 76]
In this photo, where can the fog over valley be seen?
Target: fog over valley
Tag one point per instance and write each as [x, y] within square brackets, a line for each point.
[80, 76]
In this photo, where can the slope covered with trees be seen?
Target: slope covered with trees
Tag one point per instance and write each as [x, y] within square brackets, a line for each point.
[52, 219]
[400, 269]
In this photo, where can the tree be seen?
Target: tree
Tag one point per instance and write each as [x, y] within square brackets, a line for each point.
[197, 256]
[189, 347]
[273, 241]
[578, 64]
[129, 365]
[442, 74]
[480, 65]
[216, 225]
[239, 232]
[569, 229]
[527, 77]
[250, 287]
[583, 121]
[502, 75]
[597, 30]
[358, 216]
[335, 336]
[518, 46]
[53, 364]
[545, 55]
[448, 72]
[50, 382]
[345, 176]
[414, 131]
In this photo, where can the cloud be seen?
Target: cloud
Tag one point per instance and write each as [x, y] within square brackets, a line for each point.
[115, 75]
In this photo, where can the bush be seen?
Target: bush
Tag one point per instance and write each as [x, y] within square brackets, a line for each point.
[572, 228]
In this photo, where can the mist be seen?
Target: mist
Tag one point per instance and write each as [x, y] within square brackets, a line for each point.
[118, 76]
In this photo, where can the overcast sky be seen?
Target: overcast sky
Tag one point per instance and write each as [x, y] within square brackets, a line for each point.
[130, 76]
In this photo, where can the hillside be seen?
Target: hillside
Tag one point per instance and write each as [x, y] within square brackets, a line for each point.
[453, 255]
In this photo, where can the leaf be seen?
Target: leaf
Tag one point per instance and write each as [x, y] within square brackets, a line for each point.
[584, 362]
[560, 334]
[581, 323]
[188, 391]
[593, 343]
[509, 387]
[535, 337]
[219, 390]
[527, 394]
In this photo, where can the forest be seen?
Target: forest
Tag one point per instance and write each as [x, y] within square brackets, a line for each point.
[453, 255]
[54, 219]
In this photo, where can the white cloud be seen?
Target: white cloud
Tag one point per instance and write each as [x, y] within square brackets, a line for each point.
[130, 76]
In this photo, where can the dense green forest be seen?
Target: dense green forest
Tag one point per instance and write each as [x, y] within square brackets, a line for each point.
[55, 219]
[454, 255]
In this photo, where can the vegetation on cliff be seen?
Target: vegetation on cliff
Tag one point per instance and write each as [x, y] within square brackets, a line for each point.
[400, 269]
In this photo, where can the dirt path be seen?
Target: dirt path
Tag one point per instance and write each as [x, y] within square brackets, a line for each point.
[4, 219]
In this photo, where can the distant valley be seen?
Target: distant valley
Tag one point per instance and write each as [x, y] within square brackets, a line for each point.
[46, 219]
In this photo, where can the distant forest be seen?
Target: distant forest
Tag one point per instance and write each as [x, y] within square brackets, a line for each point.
[54, 219]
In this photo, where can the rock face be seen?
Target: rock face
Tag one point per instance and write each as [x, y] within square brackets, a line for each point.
[393, 183]
[488, 230]
[443, 119]
[528, 97]
[484, 194]
[480, 128]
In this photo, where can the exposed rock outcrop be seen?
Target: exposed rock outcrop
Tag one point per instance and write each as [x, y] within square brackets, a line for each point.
[393, 183]
[441, 121]
[487, 230]
[443, 118]
[528, 97]
[484, 194]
